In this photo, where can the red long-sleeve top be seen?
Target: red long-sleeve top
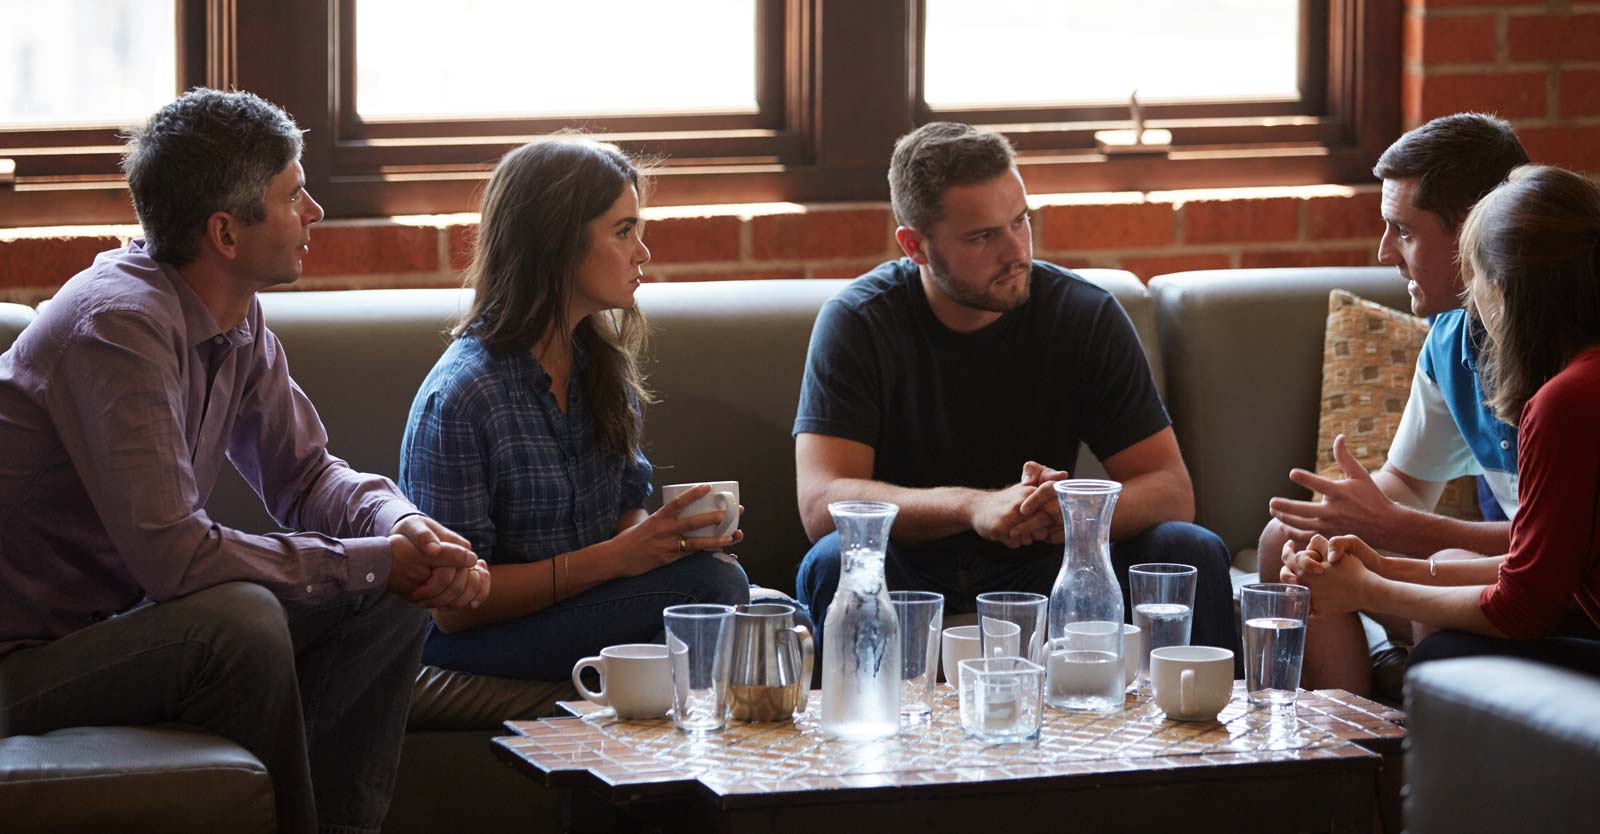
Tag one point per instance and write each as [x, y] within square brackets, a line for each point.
[1555, 537]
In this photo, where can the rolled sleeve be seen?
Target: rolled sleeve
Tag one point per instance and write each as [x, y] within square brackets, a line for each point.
[446, 471]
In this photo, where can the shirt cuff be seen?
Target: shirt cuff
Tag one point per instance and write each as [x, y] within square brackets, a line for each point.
[367, 562]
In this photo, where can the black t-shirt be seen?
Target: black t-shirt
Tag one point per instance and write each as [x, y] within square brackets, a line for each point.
[942, 408]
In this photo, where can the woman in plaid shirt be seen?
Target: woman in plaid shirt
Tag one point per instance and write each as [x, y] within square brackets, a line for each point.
[525, 437]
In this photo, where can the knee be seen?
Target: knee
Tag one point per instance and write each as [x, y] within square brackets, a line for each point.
[820, 568]
[1445, 644]
[1185, 543]
[1269, 549]
[717, 582]
[243, 621]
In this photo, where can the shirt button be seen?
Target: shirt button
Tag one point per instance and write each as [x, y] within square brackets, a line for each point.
[219, 340]
[308, 589]
[372, 577]
[1505, 444]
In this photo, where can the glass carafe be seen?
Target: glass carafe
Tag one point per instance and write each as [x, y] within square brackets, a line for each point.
[861, 635]
[1084, 653]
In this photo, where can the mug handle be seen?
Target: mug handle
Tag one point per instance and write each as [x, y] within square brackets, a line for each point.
[808, 653]
[1186, 699]
[599, 666]
[729, 505]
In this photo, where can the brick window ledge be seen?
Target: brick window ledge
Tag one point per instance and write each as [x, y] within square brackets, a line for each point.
[1148, 234]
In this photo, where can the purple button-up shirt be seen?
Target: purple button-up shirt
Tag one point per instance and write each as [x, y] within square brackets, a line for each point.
[117, 407]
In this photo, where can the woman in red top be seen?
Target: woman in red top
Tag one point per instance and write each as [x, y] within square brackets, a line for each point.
[1531, 249]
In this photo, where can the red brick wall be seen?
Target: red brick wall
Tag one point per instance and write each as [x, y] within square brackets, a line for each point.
[1536, 62]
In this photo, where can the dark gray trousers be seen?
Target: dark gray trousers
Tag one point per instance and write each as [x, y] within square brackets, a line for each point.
[317, 691]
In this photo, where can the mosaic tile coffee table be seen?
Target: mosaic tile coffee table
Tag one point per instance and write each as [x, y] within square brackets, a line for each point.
[1129, 771]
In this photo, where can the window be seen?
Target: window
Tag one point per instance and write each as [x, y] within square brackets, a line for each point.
[511, 58]
[73, 63]
[1058, 52]
[409, 103]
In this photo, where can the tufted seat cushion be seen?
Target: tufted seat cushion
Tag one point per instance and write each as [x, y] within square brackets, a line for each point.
[169, 778]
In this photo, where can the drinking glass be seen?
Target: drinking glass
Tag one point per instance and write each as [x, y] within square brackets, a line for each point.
[921, 616]
[1274, 641]
[1163, 607]
[700, 646]
[1025, 610]
[1001, 698]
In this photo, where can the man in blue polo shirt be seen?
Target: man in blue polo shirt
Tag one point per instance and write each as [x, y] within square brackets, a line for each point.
[1432, 176]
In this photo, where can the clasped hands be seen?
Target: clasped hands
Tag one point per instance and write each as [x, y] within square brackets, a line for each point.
[435, 567]
[1023, 513]
[1338, 571]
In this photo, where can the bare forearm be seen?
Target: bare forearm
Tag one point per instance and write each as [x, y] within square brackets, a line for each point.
[1148, 500]
[1444, 607]
[925, 514]
[1416, 530]
[1446, 572]
[1419, 533]
[522, 589]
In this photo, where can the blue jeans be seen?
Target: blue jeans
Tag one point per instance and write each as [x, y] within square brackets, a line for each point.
[961, 580]
[317, 691]
[546, 644]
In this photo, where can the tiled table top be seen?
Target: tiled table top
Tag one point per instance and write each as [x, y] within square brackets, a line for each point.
[758, 759]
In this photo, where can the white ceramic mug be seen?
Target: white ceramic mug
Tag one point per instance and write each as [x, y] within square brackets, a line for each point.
[958, 643]
[1192, 683]
[723, 498]
[635, 680]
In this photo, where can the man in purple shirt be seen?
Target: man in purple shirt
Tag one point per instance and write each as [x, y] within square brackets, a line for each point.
[121, 601]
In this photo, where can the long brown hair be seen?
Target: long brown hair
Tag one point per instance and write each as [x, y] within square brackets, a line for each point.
[1535, 243]
[525, 261]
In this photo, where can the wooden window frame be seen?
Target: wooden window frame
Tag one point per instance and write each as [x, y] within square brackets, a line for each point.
[838, 82]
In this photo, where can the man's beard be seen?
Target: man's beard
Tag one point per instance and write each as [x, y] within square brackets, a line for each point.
[982, 298]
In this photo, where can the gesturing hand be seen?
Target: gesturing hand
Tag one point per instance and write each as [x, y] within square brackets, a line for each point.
[1354, 505]
[661, 538]
[434, 566]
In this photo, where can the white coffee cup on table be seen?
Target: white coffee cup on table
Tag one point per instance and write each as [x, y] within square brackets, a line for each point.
[1191, 683]
[635, 680]
[956, 644]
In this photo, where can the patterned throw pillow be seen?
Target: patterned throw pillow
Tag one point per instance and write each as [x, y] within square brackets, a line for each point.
[1368, 356]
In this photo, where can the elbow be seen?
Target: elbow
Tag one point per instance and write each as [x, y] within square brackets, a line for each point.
[814, 514]
[816, 520]
[1180, 501]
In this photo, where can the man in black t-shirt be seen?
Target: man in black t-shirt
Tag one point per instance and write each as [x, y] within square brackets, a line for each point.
[957, 383]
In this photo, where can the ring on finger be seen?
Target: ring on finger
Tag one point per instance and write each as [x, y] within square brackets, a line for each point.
[683, 545]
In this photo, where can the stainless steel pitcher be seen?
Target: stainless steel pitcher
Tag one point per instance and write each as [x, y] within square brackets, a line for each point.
[771, 672]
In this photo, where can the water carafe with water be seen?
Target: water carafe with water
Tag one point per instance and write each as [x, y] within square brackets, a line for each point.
[861, 635]
[1083, 667]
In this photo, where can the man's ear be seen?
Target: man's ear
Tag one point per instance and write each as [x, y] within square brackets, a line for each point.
[222, 234]
[912, 243]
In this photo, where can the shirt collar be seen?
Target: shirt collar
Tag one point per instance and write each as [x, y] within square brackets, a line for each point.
[198, 322]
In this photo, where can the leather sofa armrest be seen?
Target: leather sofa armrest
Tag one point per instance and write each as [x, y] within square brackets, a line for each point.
[1501, 744]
